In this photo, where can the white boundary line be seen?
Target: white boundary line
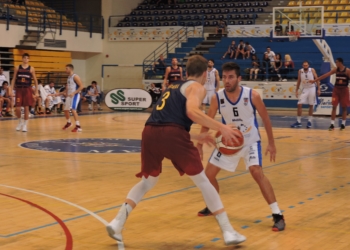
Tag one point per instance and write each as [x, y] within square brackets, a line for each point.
[99, 218]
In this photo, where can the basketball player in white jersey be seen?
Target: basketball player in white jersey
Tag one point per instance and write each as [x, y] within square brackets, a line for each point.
[212, 83]
[308, 93]
[237, 105]
[72, 93]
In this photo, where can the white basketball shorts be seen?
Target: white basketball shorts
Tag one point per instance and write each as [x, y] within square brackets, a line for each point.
[251, 155]
[72, 103]
[207, 98]
[308, 96]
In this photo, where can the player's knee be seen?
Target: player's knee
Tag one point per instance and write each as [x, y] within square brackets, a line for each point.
[256, 172]
[149, 183]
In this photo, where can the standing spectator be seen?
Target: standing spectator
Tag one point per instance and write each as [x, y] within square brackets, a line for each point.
[2, 76]
[287, 29]
[231, 50]
[271, 55]
[265, 64]
[277, 66]
[249, 50]
[240, 49]
[212, 83]
[161, 64]
[288, 67]
[220, 29]
[278, 29]
[256, 67]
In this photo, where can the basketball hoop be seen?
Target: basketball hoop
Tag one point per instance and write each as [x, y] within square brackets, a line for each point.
[293, 36]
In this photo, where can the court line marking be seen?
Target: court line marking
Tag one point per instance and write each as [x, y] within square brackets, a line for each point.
[69, 238]
[148, 198]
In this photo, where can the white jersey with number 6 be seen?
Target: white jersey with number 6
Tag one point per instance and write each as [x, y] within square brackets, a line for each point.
[210, 83]
[305, 77]
[72, 86]
[242, 114]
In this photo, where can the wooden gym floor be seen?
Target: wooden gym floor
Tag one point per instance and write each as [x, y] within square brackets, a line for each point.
[311, 178]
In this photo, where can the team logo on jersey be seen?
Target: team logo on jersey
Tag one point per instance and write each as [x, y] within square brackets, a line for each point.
[245, 101]
[243, 128]
[222, 101]
[89, 145]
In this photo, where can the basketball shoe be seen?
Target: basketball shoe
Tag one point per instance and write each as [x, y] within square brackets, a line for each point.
[77, 129]
[296, 125]
[20, 125]
[342, 127]
[231, 237]
[279, 223]
[24, 128]
[204, 212]
[115, 227]
[68, 124]
[331, 128]
[309, 125]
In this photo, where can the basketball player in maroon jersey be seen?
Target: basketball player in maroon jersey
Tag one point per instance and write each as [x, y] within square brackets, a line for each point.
[21, 82]
[172, 74]
[340, 92]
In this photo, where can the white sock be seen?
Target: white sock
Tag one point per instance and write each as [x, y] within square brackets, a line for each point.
[274, 208]
[343, 122]
[310, 118]
[77, 123]
[299, 119]
[128, 208]
[25, 122]
[224, 222]
[68, 121]
[20, 121]
[141, 188]
[332, 122]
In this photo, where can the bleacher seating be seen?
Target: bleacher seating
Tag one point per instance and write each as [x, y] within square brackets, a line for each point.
[194, 13]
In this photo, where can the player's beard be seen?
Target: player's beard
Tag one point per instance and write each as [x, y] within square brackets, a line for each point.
[210, 67]
[233, 88]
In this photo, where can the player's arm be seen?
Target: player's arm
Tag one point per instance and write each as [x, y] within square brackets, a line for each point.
[181, 75]
[298, 85]
[167, 71]
[80, 85]
[35, 81]
[333, 71]
[217, 81]
[14, 77]
[195, 94]
[260, 107]
[318, 82]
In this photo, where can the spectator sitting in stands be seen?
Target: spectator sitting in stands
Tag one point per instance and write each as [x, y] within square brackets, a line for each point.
[277, 67]
[288, 67]
[155, 92]
[266, 64]
[82, 99]
[255, 69]
[2, 76]
[240, 49]
[161, 64]
[98, 90]
[287, 29]
[6, 97]
[278, 29]
[249, 50]
[220, 29]
[93, 96]
[52, 98]
[271, 55]
[231, 50]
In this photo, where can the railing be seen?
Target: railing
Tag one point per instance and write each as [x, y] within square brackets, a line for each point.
[172, 42]
[53, 19]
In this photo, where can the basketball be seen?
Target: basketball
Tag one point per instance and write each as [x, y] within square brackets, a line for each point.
[229, 148]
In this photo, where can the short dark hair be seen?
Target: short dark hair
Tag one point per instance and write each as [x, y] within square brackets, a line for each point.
[39, 81]
[25, 55]
[212, 60]
[339, 59]
[306, 62]
[268, 47]
[70, 66]
[231, 66]
[5, 82]
[52, 82]
[196, 66]
[247, 43]
[94, 82]
[240, 40]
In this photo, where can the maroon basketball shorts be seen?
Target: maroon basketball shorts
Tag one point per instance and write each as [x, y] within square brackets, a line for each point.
[168, 141]
[24, 97]
[341, 95]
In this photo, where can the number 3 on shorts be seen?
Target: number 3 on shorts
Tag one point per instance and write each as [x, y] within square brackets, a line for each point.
[165, 96]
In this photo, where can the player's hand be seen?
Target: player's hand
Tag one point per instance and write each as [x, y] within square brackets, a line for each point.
[271, 148]
[312, 81]
[206, 138]
[71, 95]
[200, 150]
[297, 94]
[318, 92]
[36, 94]
[230, 133]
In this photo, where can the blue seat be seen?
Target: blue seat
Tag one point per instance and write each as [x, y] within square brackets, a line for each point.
[134, 24]
[148, 13]
[142, 24]
[174, 24]
[240, 22]
[140, 13]
[150, 24]
[206, 23]
[141, 19]
[190, 24]
[188, 17]
[194, 12]
[196, 17]
[158, 24]
[171, 18]
[202, 11]
[218, 11]
[133, 13]
[157, 18]
[198, 23]
[245, 16]
[178, 12]
[164, 18]
[260, 10]
[192, 6]
[163, 12]
[249, 22]
[184, 6]
[155, 12]
[165, 24]
[243, 10]
[127, 25]
[210, 11]
[134, 19]
[199, 6]
[170, 12]
[127, 19]
[186, 12]
[119, 25]
[232, 22]
[149, 18]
